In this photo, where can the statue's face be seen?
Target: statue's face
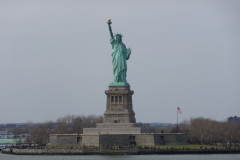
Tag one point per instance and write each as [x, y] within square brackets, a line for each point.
[118, 38]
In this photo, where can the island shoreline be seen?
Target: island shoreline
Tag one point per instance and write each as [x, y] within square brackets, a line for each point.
[116, 151]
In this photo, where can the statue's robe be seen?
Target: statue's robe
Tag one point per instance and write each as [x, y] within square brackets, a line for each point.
[119, 56]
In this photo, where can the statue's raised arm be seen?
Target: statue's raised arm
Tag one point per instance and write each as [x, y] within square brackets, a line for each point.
[110, 28]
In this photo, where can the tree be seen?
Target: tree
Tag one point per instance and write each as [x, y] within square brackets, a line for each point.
[40, 134]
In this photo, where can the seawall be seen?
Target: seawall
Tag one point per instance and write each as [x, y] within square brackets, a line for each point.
[114, 151]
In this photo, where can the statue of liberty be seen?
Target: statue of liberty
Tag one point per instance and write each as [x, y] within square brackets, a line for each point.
[120, 54]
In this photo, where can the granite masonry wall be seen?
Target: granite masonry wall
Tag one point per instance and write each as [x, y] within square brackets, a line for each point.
[134, 130]
[65, 139]
[115, 139]
[90, 140]
[118, 139]
[144, 139]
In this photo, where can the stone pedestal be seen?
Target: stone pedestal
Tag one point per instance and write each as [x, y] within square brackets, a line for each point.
[119, 127]
[119, 107]
[114, 128]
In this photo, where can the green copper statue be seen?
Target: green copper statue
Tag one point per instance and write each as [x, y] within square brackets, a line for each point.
[120, 54]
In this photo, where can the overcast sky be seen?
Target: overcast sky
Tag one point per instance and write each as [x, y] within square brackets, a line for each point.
[55, 58]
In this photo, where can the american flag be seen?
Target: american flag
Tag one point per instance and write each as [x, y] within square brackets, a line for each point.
[179, 110]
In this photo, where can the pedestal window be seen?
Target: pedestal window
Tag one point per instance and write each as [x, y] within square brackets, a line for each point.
[120, 98]
[112, 98]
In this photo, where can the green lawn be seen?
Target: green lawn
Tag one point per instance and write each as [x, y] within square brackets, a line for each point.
[192, 146]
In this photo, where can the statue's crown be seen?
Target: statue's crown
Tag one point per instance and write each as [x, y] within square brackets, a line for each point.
[118, 34]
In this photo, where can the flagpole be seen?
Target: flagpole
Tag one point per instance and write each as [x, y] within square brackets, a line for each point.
[177, 116]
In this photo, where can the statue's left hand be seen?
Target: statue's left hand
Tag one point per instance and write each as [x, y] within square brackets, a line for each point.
[128, 53]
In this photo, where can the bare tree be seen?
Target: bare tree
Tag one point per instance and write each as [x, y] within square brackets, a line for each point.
[207, 131]
[40, 134]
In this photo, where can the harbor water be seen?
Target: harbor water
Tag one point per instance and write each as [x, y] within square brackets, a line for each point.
[122, 157]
